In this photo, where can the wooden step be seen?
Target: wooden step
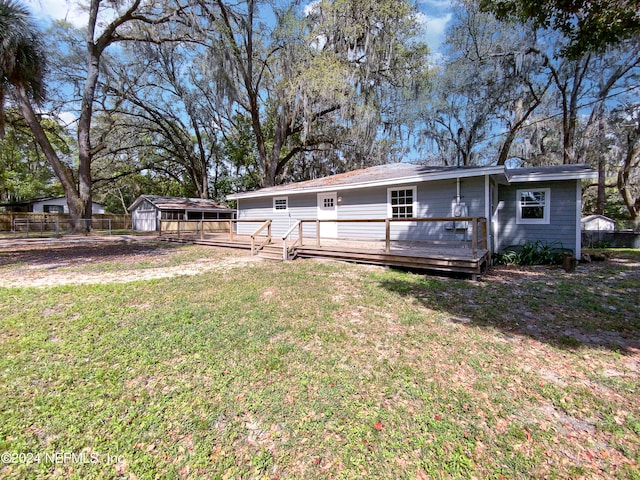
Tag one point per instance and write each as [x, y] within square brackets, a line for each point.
[271, 252]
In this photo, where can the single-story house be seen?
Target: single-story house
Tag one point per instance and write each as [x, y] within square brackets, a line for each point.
[148, 210]
[598, 223]
[47, 205]
[524, 204]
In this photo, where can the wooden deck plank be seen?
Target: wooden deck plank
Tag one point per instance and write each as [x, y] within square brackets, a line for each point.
[437, 257]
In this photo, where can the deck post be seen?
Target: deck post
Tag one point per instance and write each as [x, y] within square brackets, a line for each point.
[269, 232]
[474, 237]
[317, 233]
[178, 228]
[231, 230]
[485, 240]
[387, 236]
[201, 229]
[300, 232]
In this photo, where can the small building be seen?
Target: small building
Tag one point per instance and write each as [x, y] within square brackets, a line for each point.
[519, 205]
[598, 223]
[148, 210]
[47, 205]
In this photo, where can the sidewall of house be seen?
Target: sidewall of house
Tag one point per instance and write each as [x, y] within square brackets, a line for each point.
[433, 199]
[561, 229]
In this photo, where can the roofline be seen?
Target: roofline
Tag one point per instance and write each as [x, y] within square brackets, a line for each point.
[546, 177]
[462, 173]
[140, 198]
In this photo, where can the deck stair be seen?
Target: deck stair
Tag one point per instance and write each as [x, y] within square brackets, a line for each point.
[271, 252]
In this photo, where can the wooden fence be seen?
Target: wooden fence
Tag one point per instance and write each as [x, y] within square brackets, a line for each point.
[46, 221]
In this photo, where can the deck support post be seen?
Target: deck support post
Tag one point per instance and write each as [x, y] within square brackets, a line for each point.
[178, 228]
[201, 230]
[318, 233]
[485, 240]
[474, 237]
[231, 230]
[387, 236]
[300, 232]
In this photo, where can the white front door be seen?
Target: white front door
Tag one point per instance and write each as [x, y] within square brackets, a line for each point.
[328, 210]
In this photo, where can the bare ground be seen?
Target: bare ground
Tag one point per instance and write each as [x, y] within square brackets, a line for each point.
[90, 260]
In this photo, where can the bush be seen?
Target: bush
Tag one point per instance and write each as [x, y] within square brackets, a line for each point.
[533, 253]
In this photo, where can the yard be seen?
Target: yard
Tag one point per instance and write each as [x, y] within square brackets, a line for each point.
[151, 360]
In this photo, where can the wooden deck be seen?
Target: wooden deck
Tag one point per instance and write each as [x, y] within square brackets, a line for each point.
[437, 258]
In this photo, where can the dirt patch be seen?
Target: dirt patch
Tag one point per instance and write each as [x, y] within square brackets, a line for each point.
[116, 260]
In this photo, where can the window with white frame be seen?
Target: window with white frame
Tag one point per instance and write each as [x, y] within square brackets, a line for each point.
[281, 203]
[533, 206]
[401, 202]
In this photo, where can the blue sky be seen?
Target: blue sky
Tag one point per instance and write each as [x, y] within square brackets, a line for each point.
[436, 14]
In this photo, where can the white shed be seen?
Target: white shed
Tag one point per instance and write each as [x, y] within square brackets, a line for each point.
[148, 210]
[598, 223]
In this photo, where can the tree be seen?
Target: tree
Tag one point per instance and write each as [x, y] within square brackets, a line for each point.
[161, 103]
[24, 172]
[591, 26]
[311, 82]
[492, 79]
[22, 67]
[626, 124]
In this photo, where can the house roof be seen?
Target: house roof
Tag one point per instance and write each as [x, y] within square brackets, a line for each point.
[39, 199]
[553, 172]
[404, 173]
[381, 175]
[180, 203]
[588, 218]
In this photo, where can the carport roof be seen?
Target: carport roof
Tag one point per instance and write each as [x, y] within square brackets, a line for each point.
[181, 203]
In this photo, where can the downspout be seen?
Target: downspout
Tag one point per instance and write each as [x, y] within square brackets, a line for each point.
[487, 212]
[578, 252]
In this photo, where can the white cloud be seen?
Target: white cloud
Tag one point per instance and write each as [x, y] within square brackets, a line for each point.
[436, 4]
[47, 10]
[434, 28]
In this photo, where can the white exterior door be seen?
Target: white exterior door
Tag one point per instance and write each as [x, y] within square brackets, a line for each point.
[328, 210]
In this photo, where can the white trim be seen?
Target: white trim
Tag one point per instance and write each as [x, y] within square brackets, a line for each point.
[548, 177]
[414, 204]
[578, 251]
[377, 183]
[546, 219]
[487, 210]
[330, 229]
[286, 206]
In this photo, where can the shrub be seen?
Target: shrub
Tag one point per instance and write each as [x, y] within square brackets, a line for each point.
[533, 253]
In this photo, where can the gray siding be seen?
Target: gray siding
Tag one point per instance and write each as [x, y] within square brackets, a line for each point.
[561, 228]
[303, 206]
[434, 199]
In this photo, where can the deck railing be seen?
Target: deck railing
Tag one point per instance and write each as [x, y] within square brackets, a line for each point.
[477, 239]
[285, 247]
[254, 235]
[202, 227]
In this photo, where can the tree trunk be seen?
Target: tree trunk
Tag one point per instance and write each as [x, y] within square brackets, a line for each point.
[85, 153]
[63, 172]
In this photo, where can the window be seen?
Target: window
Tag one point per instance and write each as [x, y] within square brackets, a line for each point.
[401, 202]
[172, 215]
[328, 202]
[53, 209]
[532, 206]
[281, 203]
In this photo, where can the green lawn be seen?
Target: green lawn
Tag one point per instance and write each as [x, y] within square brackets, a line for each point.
[324, 370]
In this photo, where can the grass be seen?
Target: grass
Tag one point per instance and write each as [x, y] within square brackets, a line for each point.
[324, 370]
